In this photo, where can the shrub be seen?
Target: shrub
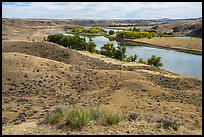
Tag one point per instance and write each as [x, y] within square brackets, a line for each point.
[132, 58]
[96, 114]
[119, 53]
[108, 49]
[91, 46]
[112, 118]
[54, 118]
[136, 29]
[81, 117]
[132, 116]
[168, 123]
[151, 117]
[141, 60]
[66, 41]
[98, 51]
[160, 34]
[155, 61]
[55, 38]
[78, 117]
[111, 32]
[149, 36]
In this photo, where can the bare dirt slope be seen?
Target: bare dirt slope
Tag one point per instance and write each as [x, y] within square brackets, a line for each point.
[38, 76]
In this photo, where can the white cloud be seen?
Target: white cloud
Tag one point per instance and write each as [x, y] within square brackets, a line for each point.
[104, 10]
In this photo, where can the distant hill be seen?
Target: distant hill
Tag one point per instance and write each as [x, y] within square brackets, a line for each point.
[196, 33]
[81, 22]
[183, 27]
[85, 22]
[178, 26]
[163, 20]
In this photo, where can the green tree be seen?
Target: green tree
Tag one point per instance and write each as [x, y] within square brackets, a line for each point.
[66, 42]
[155, 61]
[91, 46]
[111, 32]
[108, 49]
[131, 58]
[74, 42]
[55, 38]
[120, 53]
[136, 29]
[160, 34]
[90, 39]
[149, 36]
[135, 58]
[135, 34]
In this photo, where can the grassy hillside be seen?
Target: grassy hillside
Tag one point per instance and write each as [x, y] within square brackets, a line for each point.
[38, 76]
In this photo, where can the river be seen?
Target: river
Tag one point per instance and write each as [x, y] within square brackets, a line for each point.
[174, 61]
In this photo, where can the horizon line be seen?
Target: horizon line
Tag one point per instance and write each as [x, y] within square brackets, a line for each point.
[100, 18]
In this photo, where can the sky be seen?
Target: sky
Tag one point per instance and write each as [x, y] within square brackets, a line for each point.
[102, 10]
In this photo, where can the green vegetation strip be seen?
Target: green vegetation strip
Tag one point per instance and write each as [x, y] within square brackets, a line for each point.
[108, 49]
[136, 35]
[94, 31]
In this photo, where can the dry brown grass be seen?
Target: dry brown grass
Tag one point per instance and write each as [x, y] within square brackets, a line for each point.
[183, 44]
[115, 90]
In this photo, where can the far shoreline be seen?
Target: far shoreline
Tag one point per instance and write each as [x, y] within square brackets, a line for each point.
[191, 51]
[195, 52]
[185, 50]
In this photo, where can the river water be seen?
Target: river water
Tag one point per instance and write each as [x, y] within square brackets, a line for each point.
[174, 61]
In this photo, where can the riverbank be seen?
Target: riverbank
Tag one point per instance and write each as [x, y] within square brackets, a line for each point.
[188, 45]
[87, 34]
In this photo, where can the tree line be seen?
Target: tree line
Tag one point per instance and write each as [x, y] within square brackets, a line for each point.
[108, 49]
[79, 29]
[127, 25]
[73, 42]
[135, 34]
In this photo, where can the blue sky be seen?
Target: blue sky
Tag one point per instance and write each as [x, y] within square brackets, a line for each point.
[102, 10]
